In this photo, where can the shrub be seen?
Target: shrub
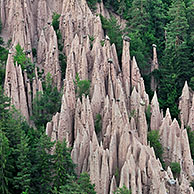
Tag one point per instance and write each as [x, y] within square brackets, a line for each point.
[153, 138]
[176, 168]
[55, 21]
[91, 38]
[191, 83]
[191, 141]
[113, 30]
[98, 123]
[132, 114]
[46, 103]
[24, 61]
[102, 42]
[192, 184]
[123, 190]
[3, 60]
[63, 64]
[9, 43]
[34, 52]
[148, 115]
[82, 87]
[92, 4]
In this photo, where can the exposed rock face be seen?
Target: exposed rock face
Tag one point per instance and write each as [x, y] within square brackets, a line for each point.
[15, 87]
[48, 56]
[176, 146]
[156, 115]
[191, 115]
[186, 105]
[126, 68]
[154, 66]
[118, 154]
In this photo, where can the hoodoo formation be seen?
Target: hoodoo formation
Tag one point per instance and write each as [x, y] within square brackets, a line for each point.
[107, 129]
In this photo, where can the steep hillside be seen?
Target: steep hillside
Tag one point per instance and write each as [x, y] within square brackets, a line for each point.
[67, 78]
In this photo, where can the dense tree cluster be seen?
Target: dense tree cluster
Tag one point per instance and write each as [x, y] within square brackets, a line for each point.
[154, 140]
[166, 23]
[46, 103]
[26, 164]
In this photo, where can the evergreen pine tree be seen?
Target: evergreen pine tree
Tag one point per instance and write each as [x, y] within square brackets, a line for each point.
[63, 165]
[177, 27]
[4, 153]
[157, 22]
[82, 185]
[85, 184]
[4, 104]
[22, 179]
[42, 165]
[140, 18]
[140, 32]
[190, 18]
[176, 62]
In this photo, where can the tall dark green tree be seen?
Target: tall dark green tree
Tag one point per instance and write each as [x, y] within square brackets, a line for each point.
[82, 185]
[177, 28]
[85, 184]
[42, 165]
[177, 66]
[123, 190]
[46, 103]
[63, 165]
[190, 19]
[140, 30]
[113, 30]
[4, 153]
[4, 104]
[23, 164]
[140, 18]
[157, 21]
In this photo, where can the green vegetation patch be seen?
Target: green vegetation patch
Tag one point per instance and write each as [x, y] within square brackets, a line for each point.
[82, 87]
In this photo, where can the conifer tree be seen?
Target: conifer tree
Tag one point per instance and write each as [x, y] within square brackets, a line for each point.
[85, 184]
[42, 164]
[190, 19]
[157, 22]
[140, 18]
[4, 104]
[4, 153]
[82, 185]
[23, 177]
[177, 27]
[63, 165]
[176, 62]
[140, 32]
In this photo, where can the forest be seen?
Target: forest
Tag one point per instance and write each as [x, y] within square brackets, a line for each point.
[168, 24]
[27, 165]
